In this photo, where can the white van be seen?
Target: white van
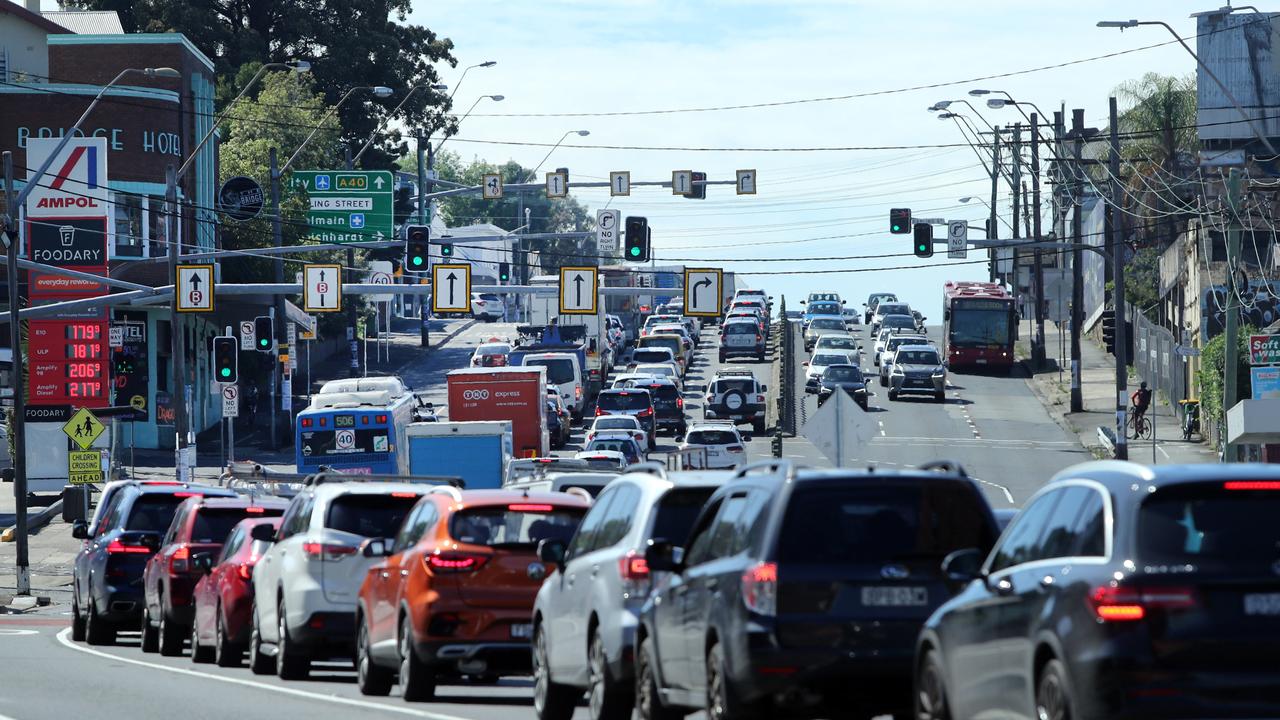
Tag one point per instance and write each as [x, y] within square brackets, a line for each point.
[565, 375]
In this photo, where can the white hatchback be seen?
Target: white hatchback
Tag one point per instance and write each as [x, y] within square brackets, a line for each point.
[723, 444]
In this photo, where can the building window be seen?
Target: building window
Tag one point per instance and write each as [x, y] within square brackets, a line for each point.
[129, 214]
[156, 221]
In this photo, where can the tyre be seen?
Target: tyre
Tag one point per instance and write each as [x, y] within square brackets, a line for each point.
[292, 662]
[417, 681]
[1053, 693]
[259, 662]
[150, 637]
[893, 395]
[648, 696]
[97, 630]
[884, 382]
[940, 396]
[225, 652]
[551, 700]
[931, 690]
[721, 702]
[723, 357]
[757, 426]
[171, 638]
[371, 678]
[199, 653]
[77, 620]
[761, 356]
[607, 699]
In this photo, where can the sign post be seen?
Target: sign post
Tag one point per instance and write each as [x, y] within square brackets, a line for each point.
[348, 206]
[451, 288]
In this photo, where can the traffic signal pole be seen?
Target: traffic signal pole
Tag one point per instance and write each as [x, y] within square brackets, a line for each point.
[995, 185]
[277, 275]
[1037, 348]
[18, 424]
[177, 331]
[348, 277]
[1117, 272]
[1077, 257]
[424, 316]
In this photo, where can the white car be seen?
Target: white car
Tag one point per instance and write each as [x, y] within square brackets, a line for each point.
[617, 424]
[491, 354]
[306, 583]
[886, 307]
[722, 442]
[612, 456]
[839, 342]
[660, 319]
[891, 345]
[488, 306]
[667, 370]
[622, 442]
[882, 337]
[818, 364]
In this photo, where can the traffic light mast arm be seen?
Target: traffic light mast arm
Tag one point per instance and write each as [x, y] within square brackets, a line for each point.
[541, 187]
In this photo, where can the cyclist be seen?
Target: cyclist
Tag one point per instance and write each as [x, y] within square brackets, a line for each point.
[1141, 399]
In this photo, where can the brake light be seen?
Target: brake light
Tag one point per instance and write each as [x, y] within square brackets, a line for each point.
[404, 495]
[759, 398]
[364, 419]
[255, 510]
[1251, 485]
[187, 494]
[115, 546]
[577, 391]
[599, 411]
[759, 338]
[526, 507]
[381, 418]
[306, 422]
[735, 448]
[645, 412]
[633, 566]
[331, 552]
[245, 571]
[1124, 604]
[760, 588]
[680, 403]
[455, 562]
[179, 560]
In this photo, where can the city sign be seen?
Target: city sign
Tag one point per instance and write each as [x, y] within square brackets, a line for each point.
[578, 290]
[348, 205]
[75, 185]
[240, 198]
[230, 401]
[681, 182]
[380, 273]
[957, 239]
[194, 289]
[84, 467]
[83, 428]
[607, 224]
[557, 185]
[451, 288]
[746, 181]
[620, 183]
[491, 186]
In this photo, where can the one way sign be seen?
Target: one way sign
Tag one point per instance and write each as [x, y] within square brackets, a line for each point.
[578, 290]
[322, 288]
[195, 288]
[451, 288]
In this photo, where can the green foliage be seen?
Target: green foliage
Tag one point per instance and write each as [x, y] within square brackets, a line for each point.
[1159, 117]
[1213, 362]
[1142, 278]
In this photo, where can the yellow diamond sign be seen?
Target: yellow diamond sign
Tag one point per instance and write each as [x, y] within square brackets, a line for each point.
[83, 428]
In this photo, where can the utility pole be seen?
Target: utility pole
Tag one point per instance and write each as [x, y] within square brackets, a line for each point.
[425, 182]
[1037, 348]
[177, 329]
[995, 180]
[1013, 186]
[1117, 274]
[353, 363]
[1077, 272]
[17, 426]
[421, 215]
[1231, 393]
[277, 275]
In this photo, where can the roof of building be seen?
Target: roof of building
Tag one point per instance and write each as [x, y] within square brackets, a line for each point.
[91, 22]
[17, 10]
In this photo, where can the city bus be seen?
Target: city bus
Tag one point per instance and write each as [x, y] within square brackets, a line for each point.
[356, 425]
[979, 325]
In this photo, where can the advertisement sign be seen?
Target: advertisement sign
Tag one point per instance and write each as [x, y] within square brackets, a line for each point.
[68, 362]
[1265, 382]
[130, 369]
[75, 185]
[1264, 349]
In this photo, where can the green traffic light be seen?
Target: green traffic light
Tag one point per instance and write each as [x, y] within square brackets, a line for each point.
[417, 260]
[896, 228]
[635, 251]
[226, 372]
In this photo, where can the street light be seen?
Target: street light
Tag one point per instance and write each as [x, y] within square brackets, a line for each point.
[412, 90]
[379, 91]
[533, 175]
[469, 68]
[495, 98]
[944, 104]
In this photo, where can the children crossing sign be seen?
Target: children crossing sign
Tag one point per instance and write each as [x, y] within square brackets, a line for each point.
[83, 428]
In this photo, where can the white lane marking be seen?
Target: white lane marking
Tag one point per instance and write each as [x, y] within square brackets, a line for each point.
[882, 432]
[64, 638]
[18, 631]
[1162, 452]
[6, 717]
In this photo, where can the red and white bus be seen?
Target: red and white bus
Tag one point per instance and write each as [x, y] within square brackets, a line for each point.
[979, 324]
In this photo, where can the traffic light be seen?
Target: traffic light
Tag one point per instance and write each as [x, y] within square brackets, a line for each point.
[637, 242]
[504, 272]
[263, 337]
[924, 240]
[1109, 330]
[699, 191]
[446, 250]
[899, 221]
[226, 356]
[417, 247]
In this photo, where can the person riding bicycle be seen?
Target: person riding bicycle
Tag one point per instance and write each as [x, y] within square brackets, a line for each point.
[1141, 399]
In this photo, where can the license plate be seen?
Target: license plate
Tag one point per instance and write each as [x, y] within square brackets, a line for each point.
[980, 361]
[895, 596]
[523, 630]
[1262, 604]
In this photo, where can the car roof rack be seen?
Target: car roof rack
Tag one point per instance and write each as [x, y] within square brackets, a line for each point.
[332, 476]
[648, 466]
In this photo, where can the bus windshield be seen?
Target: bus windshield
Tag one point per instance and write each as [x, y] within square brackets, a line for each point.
[979, 327]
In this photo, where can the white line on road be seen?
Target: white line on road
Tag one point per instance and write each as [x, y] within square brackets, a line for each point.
[1162, 452]
[882, 433]
[64, 638]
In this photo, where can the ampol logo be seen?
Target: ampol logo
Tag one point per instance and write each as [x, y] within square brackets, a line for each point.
[75, 184]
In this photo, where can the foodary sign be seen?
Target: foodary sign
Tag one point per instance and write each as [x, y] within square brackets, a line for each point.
[1264, 349]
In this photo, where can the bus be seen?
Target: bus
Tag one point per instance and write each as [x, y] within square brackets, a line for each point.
[358, 426]
[979, 325]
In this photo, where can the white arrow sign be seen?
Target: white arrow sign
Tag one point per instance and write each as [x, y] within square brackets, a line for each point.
[578, 290]
[491, 186]
[746, 182]
[451, 288]
[246, 331]
[607, 222]
[322, 288]
[620, 183]
[195, 288]
[957, 239]
[702, 290]
[230, 401]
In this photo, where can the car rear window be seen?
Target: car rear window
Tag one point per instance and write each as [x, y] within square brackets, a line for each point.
[824, 308]
[711, 437]
[917, 357]
[652, 355]
[838, 342]
[829, 359]
[525, 523]
[741, 329]
[859, 523]
[888, 308]
[893, 321]
[615, 423]
[623, 401]
[663, 392]
[559, 370]
[370, 515]
[626, 447]
[212, 525]
[742, 386]
[676, 512]
[491, 297]
[842, 373]
[153, 512]
[827, 324]
[669, 342]
[1209, 526]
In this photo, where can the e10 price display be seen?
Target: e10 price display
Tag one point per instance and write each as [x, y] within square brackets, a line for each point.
[68, 363]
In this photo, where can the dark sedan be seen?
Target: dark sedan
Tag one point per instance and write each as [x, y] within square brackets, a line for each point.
[848, 378]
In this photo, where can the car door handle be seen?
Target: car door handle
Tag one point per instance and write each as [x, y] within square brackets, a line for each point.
[1046, 581]
[1004, 587]
[595, 570]
[404, 573]
[383, 574]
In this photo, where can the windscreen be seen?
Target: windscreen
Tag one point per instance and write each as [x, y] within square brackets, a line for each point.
[827, 324]
[1209, 526]
[213, 525]
[891, 308]
[712, 437]
[838, 342]
[824, 308]
[516, 524]
[154, 511]
[741, 328]
[559, 370]
[980, 327]
[677, 510]
[917, 357]
[651, 355]
[623, 401]
[858, 523]
[662, 370]
[367, 514]
[843, 373]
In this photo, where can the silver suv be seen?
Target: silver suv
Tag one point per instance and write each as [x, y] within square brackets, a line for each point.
[735, 396]
[586, 614]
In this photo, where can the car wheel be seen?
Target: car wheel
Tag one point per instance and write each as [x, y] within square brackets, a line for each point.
[940, 396]
[77, 620]
[259, 662]
[648, 696]
[883, 382]
[417, 681]
[150, 637]
[931, 690]
[723, 357]
[225, 653]
[97, 630]
[1053, 695]
[199, 653]
[371, 678]
[721, 703]
[551, 700]
[893, 395]
[170, 636]
[606, 699]
[757, 426]
[291, 662]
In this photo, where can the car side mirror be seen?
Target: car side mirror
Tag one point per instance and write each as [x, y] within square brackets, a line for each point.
[551, 551]
[80, 530]
[764, 389]
[375, 548]
[805, 363]
[661, 555]
[923, 318]
[964, 565]
[263, 533]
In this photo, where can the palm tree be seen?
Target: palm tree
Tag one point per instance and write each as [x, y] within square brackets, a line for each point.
[1159, 122]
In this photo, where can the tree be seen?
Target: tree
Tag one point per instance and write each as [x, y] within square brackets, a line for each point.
[1213, 362]
[1159, 118]
[350, 43]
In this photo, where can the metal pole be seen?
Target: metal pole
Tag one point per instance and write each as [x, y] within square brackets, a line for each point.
[1037, 348]
[353, 364]
[1231, 393]
[1077, 272]
[177, 333]
[15, 384]
[424, 317]
[994, 233]
[1117, 274]
[422, 211]
[277, 274]
[1014, 182]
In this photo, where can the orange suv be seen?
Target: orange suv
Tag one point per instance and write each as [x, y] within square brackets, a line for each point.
[454, 595]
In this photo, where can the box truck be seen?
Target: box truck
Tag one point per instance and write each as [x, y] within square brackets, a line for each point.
[515, 394]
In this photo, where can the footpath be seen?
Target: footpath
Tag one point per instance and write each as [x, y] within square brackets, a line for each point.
[1052, 385]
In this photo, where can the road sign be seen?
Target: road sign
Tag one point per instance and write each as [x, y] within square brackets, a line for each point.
[557, 184]
[240, 198]
[607, 224]
[307, 330]
[83, 428]
[620, 183]
[957, 239]
[75, 185]
[115, 336]
[1264, 349]
[702, 290]
[84, 467]
[839, 429]
[1186, 351]
[491, 186]
[230, 401]
[380, 274]
[246, 333]
[348, 206]
[681, 182]
[321, 288]
[195, 288]
[451, 288]
[746, 182]
[579, 287]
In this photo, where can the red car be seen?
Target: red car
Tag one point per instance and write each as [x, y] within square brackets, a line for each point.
[454, 593]
[199, 528]
[224, 596]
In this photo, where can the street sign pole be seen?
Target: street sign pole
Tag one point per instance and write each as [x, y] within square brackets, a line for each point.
[177, 325]
[15, 382]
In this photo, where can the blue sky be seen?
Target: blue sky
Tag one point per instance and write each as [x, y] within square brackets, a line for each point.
[625, 55]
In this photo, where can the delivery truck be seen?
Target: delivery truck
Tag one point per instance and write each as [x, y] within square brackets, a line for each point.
[478, 452]
[515, 394]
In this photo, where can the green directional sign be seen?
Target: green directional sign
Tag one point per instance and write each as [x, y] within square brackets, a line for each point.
[348, 205]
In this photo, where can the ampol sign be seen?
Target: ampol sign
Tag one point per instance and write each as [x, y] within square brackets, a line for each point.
[75, 185]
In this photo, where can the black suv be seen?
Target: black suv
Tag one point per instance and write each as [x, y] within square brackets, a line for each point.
[636, 402]
[106, 588]
[668, 405]
[803, 591]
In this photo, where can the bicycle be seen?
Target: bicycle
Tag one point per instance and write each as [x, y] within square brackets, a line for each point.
[1138, 425]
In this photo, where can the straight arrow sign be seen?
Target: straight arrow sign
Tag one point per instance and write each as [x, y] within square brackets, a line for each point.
[579, 288]
[195, 288]
[451, 288]
[322, 288]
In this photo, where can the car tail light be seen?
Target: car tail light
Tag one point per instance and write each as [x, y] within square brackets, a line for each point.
[634, 572]
[760, 588]
[710, 398]
[331, 552]
[759, 398]
[527, 507]
[599, 411]
[735, 448]
[577, 392]
[404, 495]
[1251, 485]
[306, 422]
[381, 418]
[1124, 604]
[179, 561]
[680, 403]
[640, 437]
[255, 510]
[115, 546]
[759, 338]
[645, 412]
[188, 494]
[455, 562]
[245, 571]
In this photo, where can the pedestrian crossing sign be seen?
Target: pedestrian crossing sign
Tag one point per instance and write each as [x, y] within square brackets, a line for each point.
[83, 428]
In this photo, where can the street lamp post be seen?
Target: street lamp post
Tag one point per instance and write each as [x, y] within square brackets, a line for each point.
[412, 90]
[15, 201]
[495, 98]
[524, 264]
[469, 68]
